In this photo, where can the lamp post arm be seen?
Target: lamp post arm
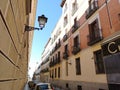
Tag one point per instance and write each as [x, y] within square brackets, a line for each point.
[30, 28]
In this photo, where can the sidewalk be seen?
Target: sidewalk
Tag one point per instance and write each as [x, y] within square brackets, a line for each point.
[57, 88]
[26, 87]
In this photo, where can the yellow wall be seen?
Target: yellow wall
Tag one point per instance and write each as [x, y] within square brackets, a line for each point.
[14, 49]
[88, 73]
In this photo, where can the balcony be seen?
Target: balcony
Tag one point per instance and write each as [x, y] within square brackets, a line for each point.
[75, 27]
[58, 60]
[65, 37]
[53, 50]
[91, 9]
[55, 61]
[52, 63]
[62, 3]
[65, 55]
[94, 37]
[44, 70]
[76, 49]
[59, 44]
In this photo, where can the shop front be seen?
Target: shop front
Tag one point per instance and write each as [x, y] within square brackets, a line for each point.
[111, 57]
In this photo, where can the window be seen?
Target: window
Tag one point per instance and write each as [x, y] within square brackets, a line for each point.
[65, 37]
[58, 72]
[66, 47]
[53, 61]
[76, 47]
[95, 33]
[65, 8]
[75, 25]
[74, 7]
[114, 86]
[28, 7]
[91, 1]
[66, 68]
[78, 67]
[55, 72]
[55, 36]
[65, 21]
[99, 66]
[67, 85]
[76, 41]
[52, 73]
[59, 43]
[65, 53]
[93, 6]
[58, 56]
[79, 87]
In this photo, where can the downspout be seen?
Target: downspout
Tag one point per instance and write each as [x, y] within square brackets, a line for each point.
[27, 53]
[108, 13]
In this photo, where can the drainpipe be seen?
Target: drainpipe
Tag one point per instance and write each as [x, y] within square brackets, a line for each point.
[108, 14]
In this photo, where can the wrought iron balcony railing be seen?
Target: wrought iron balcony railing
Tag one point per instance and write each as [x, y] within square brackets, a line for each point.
[75, 27]
[52, 63]
[94, 38]
[65, 55]
[91, 9]
[58, 59]
[65, 37]
[76, 49]
[45, 70]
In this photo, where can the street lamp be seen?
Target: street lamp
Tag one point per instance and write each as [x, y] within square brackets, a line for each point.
[42, 20]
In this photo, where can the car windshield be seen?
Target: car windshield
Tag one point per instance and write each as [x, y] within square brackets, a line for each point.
[43, 87]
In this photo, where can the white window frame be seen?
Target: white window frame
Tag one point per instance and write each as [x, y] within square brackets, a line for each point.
[94, 18]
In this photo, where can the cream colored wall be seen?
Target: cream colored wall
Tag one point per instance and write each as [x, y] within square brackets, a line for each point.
[13, 44]
[88, 73]
[32, 23]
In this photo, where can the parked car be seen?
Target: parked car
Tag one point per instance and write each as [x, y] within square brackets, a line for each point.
[31, 84]
[44, 86]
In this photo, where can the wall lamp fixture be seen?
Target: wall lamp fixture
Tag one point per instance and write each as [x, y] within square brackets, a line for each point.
[42, 20]
[69, 63]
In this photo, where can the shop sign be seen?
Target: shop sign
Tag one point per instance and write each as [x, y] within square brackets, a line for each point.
[111, 47]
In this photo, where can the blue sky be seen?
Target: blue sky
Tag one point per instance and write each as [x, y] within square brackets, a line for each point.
[52, 10]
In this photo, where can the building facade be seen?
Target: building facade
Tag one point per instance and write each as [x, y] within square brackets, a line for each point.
[15, 42]
[85, 46]
[44, 67]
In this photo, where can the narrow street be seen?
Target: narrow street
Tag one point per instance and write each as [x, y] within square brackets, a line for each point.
[27, 88]
[60, 44]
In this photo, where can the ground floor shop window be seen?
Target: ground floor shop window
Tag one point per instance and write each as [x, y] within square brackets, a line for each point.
[114, 86]
[58, 72]
[79, 87]
[99, 65]
[78, 66]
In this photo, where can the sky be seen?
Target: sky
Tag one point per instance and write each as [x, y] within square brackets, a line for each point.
[52, 10]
